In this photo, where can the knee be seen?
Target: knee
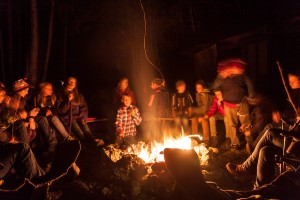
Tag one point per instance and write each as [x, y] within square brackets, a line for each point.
[54, 118]
[267, 153]
[22, 147]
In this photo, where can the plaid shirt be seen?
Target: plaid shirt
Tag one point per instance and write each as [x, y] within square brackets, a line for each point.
[125, 122]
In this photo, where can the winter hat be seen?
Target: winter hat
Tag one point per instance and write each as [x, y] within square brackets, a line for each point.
[229, 63]
[2, 87]
[20, 85]
[180, 83]
[157, 81]
[200, 82]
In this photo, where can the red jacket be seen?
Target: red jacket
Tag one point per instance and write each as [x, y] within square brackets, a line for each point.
[215, 107]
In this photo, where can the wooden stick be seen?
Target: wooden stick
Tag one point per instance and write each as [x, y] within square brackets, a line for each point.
[286, 89]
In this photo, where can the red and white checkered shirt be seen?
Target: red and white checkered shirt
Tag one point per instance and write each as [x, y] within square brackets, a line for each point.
[127, 123]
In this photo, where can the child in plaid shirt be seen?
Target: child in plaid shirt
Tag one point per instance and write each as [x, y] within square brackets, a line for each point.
[128, 117]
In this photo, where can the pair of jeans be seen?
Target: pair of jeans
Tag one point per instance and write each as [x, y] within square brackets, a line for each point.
[263, 157]
[20, 157]
[182, 122]
[55, 121]
[205, 128]
[19, 131]
[82, 130]
[47, 136]
[233, 118]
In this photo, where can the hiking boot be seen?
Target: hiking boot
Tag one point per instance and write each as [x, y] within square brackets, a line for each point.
[237, 170]
[228, 143]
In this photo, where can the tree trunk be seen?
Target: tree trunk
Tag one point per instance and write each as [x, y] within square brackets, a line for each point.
[50, 33]
[33, 64]
[64, 70]
[10, 37]
[2, 58]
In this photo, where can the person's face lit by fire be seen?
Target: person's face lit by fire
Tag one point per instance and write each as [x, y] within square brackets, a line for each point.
[294, 81]
[71, 84]
[219, 95]
[24, 92]
[181, 88]
[47, 90]
[154, 86]
[199, 88]
[126, 100]
[123, 84]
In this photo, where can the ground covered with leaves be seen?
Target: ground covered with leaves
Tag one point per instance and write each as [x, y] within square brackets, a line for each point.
[129, 177]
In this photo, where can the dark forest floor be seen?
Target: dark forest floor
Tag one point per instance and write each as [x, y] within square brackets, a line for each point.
[129, 178]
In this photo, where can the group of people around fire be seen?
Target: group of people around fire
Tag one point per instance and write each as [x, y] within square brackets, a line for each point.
[32, 122]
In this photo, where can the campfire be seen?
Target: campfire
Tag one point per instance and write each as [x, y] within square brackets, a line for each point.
[153, 152]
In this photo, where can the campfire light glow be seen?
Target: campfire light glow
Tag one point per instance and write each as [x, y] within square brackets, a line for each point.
[154, 152]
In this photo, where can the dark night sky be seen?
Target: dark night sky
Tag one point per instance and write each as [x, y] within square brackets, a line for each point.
[105, 37]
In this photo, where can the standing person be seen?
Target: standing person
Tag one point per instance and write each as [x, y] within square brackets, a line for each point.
[235, 86]
[216, 114]
[73, 111]
[158, 108]
[203, 99]
[128, 117]
[45, 100]
[123, 88]
[181, 107]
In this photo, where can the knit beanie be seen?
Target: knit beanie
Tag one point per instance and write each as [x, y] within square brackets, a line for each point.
[20, 85]
[157, 81]
[180, 83]
[229, 63]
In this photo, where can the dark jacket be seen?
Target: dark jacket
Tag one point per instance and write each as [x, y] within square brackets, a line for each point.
[203, 100]
[161, 103]
[73, 110]
[181, 102]
[234, 88]
[49, 103]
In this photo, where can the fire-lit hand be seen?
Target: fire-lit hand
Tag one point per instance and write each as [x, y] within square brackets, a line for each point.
[32, 124]
[121, 134]
[48, 113]
[247, 133]
[132, 113]
[242, 128]
[23, 114]
[71, 97]
[34, 112]
[13, 141]
[200, 119]
[276, 117]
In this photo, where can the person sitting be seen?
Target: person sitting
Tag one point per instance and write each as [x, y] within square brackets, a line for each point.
[73, 111]
[185, 168]
[203, 99]
[181, 107]
[45, 141]
[45, 101]
[215, 114]
[271, 143]
[260, 109]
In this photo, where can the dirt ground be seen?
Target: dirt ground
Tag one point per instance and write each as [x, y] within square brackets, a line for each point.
[131, 178]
